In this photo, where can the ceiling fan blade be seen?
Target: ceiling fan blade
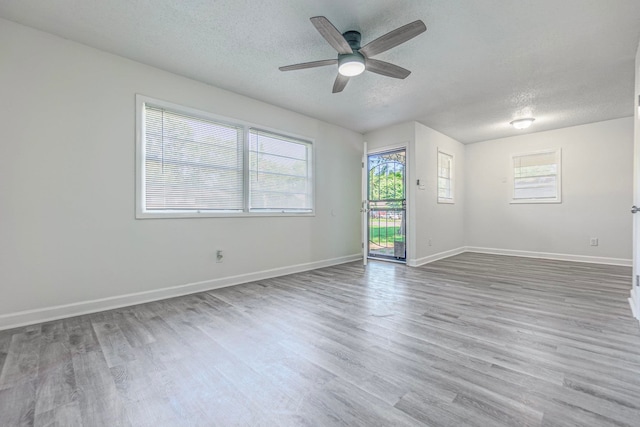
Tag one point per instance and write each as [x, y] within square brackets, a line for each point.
[340, 83]
[331, 34]
[387, 69]
[394, 38]
[309, 65]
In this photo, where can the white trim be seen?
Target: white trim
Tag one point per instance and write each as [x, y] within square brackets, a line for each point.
[548, 255]
[435, 257]
[526, 254]
[204, 214]
[29, 317]
[533, 201]
[364, 207]
[387, 148]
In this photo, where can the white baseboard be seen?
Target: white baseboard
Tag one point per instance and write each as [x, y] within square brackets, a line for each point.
[29, 317]
[435, 257]
[549, 255]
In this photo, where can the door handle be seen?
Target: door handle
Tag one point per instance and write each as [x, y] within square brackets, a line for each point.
[635, 209]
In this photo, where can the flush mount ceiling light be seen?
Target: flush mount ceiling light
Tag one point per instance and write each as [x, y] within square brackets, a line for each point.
[522, 123]
[351, 64]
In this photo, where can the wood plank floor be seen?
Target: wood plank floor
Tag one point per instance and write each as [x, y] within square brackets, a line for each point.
[472, 340]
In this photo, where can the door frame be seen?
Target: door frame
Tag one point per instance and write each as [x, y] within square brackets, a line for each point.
[364, 206]
[634, 298]
[407, 193]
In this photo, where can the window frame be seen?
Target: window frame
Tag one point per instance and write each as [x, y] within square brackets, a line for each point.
[446, 200]
[140, 195]
[557, 152]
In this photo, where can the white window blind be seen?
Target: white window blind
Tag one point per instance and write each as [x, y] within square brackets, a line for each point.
[445, 178]
[280, 173]
[190, 163]
[536, 177]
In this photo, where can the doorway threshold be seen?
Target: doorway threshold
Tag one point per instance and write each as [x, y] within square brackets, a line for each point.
[394, 260]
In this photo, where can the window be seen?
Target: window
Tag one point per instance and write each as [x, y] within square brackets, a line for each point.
[536, 177]
[280, 173]
[445, 178]
[192, 164]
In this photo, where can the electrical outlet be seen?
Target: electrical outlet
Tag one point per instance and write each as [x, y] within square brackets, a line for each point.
[429, 242]
[219, 255]
[593, 241]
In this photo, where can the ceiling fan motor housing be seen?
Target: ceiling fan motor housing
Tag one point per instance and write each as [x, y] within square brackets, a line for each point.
[353, 38]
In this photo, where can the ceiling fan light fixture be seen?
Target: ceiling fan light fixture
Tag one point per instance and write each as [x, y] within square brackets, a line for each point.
[522, 123]
[350, 65]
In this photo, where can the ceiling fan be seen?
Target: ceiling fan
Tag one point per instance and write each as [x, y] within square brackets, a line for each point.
[353, 59]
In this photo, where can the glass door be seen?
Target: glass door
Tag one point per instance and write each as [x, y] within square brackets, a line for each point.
[387, 205]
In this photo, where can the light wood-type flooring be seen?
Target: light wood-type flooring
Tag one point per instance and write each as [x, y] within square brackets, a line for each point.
[472, 340]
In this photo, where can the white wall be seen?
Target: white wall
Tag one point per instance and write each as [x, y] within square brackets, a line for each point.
[67, 199]
[427, 220]
[441, 224]
[596, 194]
[391, 136]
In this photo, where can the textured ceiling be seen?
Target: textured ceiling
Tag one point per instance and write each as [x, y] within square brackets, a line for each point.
[480, 64]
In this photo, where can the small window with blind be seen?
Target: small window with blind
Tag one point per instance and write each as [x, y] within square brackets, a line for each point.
[537, 177]
[445, 178]
[191, 164]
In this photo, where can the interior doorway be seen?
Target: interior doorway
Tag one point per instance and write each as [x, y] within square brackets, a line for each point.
[387, 205]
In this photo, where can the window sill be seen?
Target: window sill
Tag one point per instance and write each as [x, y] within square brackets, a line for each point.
[533, 201]
[178, 215]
